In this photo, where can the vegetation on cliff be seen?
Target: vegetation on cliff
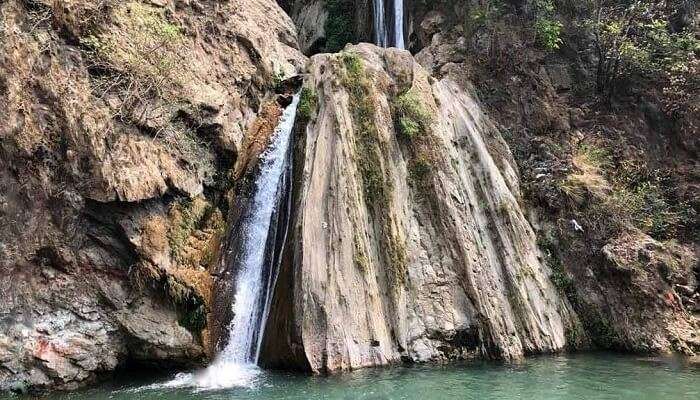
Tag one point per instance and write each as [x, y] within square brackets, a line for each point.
[340, 27]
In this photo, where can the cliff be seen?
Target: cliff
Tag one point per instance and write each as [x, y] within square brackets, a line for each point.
[495, 192]
[605, 164]
[410, 243]
[123, 122]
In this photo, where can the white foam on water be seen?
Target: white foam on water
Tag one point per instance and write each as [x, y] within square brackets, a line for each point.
[224, 376]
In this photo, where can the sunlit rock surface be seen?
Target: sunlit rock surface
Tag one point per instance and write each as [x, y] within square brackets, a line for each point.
[406, 248]
[121, 124]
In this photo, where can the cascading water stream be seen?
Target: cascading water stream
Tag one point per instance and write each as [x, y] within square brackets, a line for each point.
[380, 30]
[389, 31]
[236, 365]
[398, 24]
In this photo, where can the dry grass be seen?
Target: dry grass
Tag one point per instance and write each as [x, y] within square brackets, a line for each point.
[142, 44]
[590, 163]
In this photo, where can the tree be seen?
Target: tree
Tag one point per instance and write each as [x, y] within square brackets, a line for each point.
[637, 39]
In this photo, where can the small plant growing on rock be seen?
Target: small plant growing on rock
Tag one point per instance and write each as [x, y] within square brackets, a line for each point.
[377, 188]
[420, 170]
[139, 55]
[308, 103]
[413, 118]
[371, 150]
[189, 217]
[547, 29]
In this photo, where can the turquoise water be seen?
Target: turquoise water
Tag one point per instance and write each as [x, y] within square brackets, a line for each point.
[598, 376]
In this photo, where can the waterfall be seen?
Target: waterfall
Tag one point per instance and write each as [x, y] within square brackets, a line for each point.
[254, 281]
[387, 35]
[398, 24]
[256, 264]
[380, 30]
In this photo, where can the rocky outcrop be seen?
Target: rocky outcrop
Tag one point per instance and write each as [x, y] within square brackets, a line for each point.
[126, 124]
[657, 281]
[409, 238]
[62, 330]
[122, 124]
[608, 192]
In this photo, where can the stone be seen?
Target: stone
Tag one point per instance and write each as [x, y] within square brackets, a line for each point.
[373, 284]
[89, 171]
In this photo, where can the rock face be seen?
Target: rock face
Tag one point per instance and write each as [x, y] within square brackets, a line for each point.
[126, 124]
[656, 280]
[122, 124]
[409, 239]
[630, 274]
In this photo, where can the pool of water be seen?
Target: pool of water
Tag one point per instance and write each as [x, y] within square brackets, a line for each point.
[590, 376]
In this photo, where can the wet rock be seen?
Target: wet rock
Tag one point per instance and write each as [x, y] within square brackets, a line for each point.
[156, 337]
[107, 229]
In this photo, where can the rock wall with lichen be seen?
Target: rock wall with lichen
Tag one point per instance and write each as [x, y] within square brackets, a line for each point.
[607, 183]
[427, 226]
[409, 241]
[123, 123]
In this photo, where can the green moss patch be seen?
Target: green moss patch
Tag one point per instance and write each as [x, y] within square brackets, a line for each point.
[308, 103]
[377, 189]
[413, 119]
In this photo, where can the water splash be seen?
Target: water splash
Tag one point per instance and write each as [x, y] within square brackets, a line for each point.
[236, 365]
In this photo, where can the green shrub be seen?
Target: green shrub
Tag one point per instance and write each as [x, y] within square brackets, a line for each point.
[308, 103]
[635, 41]
[340, 24]
[548, 32]
[412, 116]
[482, 15]
[547, 29]
[651, 211]
[277, 79]
[353, 65]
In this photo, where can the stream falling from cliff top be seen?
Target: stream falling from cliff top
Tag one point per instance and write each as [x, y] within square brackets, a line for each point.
[388, 31]
[262, 232]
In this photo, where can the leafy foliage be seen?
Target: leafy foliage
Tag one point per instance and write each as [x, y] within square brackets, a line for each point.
[339, 25]
[308, 103]
[548, 33]
[482, 15]
[636, 41]
[547, 29]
